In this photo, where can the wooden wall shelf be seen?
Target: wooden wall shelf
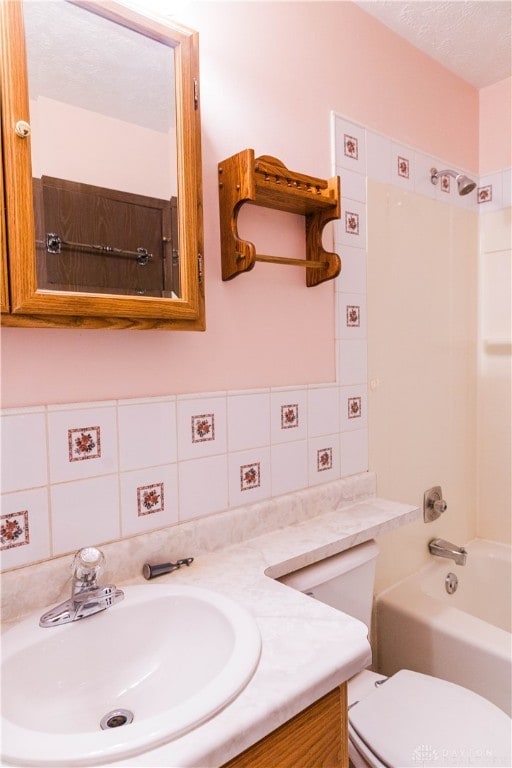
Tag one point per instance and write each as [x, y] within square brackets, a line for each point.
[265, 181]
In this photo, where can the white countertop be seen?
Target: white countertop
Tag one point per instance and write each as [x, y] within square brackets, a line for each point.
[308, 648]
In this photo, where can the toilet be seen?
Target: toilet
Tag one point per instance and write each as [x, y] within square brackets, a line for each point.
[409, 719]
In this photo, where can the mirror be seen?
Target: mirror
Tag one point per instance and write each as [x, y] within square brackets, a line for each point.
[112, 162]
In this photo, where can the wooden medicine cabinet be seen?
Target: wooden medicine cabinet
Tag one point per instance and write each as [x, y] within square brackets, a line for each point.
[101, 190]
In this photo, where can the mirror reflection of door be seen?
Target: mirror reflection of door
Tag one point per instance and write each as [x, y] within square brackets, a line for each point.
[103, 119]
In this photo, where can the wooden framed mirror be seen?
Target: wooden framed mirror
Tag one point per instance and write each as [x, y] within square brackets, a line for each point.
[102, 185]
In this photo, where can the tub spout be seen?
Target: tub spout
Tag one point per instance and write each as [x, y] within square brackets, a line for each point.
[443, 548]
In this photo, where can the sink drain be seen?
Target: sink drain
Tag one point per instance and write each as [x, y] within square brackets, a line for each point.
[116, 718]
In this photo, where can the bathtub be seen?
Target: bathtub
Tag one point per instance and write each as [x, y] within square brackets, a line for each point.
[464, 637]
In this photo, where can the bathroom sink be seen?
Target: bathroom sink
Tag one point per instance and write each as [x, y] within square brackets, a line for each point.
[168, 656]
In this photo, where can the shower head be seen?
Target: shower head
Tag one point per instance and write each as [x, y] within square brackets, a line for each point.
[464, 184]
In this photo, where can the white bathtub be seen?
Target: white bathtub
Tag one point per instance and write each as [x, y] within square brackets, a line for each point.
[464, 637]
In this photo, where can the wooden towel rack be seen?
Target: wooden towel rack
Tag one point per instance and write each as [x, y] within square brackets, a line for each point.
[265, 181]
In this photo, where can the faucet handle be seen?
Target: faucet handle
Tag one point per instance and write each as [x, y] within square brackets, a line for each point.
[88, 563]
[433, 504]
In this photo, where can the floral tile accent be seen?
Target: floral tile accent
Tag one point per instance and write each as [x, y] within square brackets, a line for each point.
[324, 459]
[484, 194]
[84, 443]
[351, 148]
[351, 223]
[250, 476]
[445, 183]
[354, 407]
[203, 428]
[14, 530]
[289, 416]
[150, 498]
[353, 316]
[403, 167]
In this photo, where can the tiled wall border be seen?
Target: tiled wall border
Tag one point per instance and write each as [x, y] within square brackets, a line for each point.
[163, 461]
[92, 473]
[360, 153]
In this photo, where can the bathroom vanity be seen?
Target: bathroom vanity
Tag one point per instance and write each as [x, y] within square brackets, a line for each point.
[292, 712]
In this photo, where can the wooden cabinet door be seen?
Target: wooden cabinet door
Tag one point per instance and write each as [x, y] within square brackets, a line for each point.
[315, 738]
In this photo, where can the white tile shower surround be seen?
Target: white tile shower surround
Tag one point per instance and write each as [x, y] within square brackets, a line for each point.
[195, 455]
[235, 553]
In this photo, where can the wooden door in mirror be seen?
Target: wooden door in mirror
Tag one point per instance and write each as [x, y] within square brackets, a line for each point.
[156, 253]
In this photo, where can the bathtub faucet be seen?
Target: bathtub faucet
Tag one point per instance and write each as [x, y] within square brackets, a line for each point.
[443, 548]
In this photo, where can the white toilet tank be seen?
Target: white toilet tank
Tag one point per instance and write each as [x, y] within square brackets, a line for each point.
[344, 581]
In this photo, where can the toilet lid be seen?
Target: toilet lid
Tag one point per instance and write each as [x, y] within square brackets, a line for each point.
[416, 720]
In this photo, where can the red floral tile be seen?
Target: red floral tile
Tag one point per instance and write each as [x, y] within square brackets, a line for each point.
[150, 498]
[484, 194]
[324, 459]
[14, 530]
[354, 407]
[351, 223]
[289, 416]
[350, 146]
[84, 443]
[250, 476]
[353, 316]
[203, 428]
[403, 167]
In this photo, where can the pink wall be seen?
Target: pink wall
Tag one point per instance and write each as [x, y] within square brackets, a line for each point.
[495, 125]
[270, 75]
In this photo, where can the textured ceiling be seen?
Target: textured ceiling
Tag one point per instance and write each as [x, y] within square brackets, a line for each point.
[83, 59]
[472, 38]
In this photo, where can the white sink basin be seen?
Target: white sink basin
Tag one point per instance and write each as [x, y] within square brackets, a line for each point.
[171, 655]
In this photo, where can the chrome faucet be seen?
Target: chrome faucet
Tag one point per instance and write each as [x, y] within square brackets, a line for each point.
[443, 548]
[87, 596]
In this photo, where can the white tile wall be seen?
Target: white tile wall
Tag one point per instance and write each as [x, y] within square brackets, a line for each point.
[249, 476]
[82, 441]
[147, 433]
[203, 486]
[88, 473]
[24, 451]
[149, 499]
[84, 512]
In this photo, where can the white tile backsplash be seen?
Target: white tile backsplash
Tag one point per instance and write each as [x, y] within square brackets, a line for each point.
[354, 452]
[202, 429]
[323, 411]
[24, 528]
[378, 151]
[352, 362]
[249, 476]
[147, 434]
[84, 513]
[289, 467]
[351, 316]
[203, 486]
[324, 458]
[353, 185]
[289, 415]
[24, 453]
[354, 407]
[248, 420]
[149, 499]
[353, 271]
[82, 442]
[349, 146]
[351, 228]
